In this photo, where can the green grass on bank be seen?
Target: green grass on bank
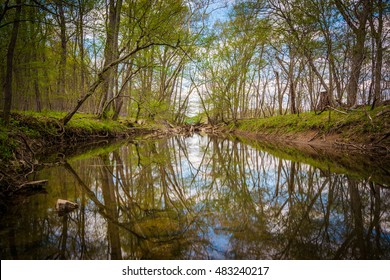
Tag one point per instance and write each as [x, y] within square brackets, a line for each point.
[87, 122]
[359, 122]
[360, 125]
[25, 126]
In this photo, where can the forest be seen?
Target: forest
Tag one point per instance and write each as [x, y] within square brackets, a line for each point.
[212, 61]
[195, 129]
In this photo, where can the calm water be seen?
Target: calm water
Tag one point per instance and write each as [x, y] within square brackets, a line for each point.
[200, 198]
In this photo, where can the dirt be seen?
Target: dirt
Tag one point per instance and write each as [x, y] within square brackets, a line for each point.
[333, 143]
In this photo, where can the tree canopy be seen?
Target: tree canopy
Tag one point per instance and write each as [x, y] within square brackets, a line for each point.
[169, 59]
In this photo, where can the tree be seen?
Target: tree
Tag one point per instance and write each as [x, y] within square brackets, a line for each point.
[356, 15]
[110, 54]
[152, 28]
[231, 63]
[10, 59]
[376, 27]
[145, 58]
[60, 17]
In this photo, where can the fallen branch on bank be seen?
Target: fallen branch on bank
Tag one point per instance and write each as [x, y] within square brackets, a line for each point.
[383, 113]
[31, 185]
[336, 110]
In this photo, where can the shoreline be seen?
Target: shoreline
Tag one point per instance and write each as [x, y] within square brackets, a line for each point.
[33, 135]
[317, 140]
[360, 131]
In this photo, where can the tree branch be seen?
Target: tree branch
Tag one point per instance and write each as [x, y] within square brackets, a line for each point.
[100, 78]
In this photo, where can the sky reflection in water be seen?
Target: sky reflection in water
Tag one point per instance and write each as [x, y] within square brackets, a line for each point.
[199, 198]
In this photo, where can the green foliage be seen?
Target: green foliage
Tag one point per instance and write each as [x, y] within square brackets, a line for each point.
[236, 59]
[197, 119]
[7, 145]
[353, 124]
[47, 122]
[157, 108]
[91, 124]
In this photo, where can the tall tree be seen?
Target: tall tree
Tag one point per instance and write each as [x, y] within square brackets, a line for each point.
[110, 53]
[376, 25]
[355, 14]
[63, 54]
[10, 60]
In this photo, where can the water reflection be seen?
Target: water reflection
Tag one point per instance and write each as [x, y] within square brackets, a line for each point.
[199, 198]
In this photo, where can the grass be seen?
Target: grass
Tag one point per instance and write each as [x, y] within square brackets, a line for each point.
[356, 123]
[362, 125]
[46, 128]
[86, 122]
[90, 124]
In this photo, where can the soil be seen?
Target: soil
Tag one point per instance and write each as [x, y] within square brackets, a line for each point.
[332, 142]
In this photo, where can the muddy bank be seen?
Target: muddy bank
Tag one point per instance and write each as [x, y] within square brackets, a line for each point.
[360, 139]
[362, 131]
[333, 143]
[322, 153]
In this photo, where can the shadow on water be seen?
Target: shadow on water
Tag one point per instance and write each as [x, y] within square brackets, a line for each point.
[201, 198]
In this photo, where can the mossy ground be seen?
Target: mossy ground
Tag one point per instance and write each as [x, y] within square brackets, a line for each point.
[86, 122]
[358, 126]
[28, 133]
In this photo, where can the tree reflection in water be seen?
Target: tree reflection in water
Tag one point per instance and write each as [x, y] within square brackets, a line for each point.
[199, 198]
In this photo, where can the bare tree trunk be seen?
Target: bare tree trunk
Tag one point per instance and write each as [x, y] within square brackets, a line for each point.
[62, 65]
[356, 67]
[9, 70]
[280, 95]
[38, 102]
[292, 92]
[358, 26]
[110, 53]
[35, 75]
[379, 52]
[81, 45]
[100, 79]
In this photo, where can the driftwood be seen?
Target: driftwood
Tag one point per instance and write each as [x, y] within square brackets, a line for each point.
[350, 146]
[187, 130]
[64, 206]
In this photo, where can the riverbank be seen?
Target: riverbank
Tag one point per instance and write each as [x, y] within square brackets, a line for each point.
[361, 130]
[32, 136]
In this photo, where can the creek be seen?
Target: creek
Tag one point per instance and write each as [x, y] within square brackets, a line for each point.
[201, 197]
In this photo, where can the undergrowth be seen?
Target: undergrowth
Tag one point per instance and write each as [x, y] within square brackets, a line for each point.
[7, 145]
